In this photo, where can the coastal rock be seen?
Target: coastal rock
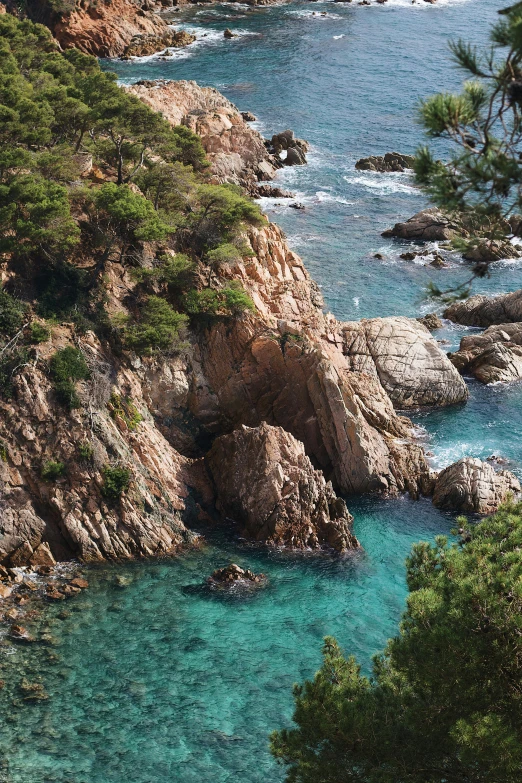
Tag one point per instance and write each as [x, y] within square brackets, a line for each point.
[267, 485]
[407, 360]
[489, 250]
[112, 29]
[431, 321]
[493, 356]
[236, 151]
[473, 486]
[483, 310]
[430, 225]
[295, 148]
[144, 45]
[391, 162]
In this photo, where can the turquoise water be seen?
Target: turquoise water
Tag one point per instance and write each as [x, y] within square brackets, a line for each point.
[159, 681]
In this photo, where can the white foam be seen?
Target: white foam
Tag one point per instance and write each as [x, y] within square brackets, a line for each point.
[383, 184]
[314, 14]
[336, 37]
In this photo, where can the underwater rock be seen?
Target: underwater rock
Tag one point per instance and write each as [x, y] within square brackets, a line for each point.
[232, 574]
[266, 484]
[473, 486]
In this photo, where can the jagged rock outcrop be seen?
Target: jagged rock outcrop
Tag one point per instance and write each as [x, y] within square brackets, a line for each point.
[71, 513]
[267, 485]
[430, 225]
[481, 310]
[236, 151]
[407, 360]
[121, 27]
[493, 356]
[391, 162]
[473, 486]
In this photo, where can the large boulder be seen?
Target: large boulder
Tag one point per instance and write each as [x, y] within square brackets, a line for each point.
[392, 161]
[267, 485]
[481, 310]
[406, 359]
[493, 356]
[473, 486]
[430, 225]
[488, 250]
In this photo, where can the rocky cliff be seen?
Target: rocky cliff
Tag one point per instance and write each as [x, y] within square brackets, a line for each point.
[108, 28]
[327, 387]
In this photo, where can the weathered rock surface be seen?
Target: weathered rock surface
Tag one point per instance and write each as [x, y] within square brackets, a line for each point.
[236, 151]
[483, 310]
[121, 27]
[391, 162]
[489, 250]
[407, 360]
[267, 485]
[473, 486]
[493, 356]
[431, 321]
[430, 225]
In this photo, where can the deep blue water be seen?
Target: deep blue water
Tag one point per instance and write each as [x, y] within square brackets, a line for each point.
[157, 681]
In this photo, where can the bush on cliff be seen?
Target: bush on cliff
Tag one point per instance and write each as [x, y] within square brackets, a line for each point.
[444, 704]
[158, 328]
[67, 366]
[210, 303]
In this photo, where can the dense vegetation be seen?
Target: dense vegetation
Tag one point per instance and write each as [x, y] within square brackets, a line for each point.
[91, 179]
[444, 703]
[482, 182]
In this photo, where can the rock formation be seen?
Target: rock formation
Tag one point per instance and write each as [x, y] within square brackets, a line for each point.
[267, 485]
[430, 225]
[488, 250]
[391, 162]
[473, 486]
[406, 359]
[493, 356]
[234, 574]
[115, 29]
[323, 386]
[483, 310]
[236, 151]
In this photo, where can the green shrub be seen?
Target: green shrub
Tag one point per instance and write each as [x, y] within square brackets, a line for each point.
[157, 330]
[116, 481]
[224, 302]
[51, 470]
[3, 451]
[39, 333]
[175, 271]
[10, 365]
[85, 451]
[12, 314]
[67, 366]
[124, 408]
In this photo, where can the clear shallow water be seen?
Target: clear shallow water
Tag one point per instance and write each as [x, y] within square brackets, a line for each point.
[159, 681]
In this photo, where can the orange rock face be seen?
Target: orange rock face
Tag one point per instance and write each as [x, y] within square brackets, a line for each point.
[108, 29]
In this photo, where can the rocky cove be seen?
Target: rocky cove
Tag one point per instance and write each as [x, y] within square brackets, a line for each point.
[288, 403]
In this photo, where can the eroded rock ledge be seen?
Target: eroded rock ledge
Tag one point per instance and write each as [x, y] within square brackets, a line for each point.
[473, 486]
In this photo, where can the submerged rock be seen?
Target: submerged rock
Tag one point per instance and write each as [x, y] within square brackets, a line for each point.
[267, 485]
[481, 310]
[493, 356]
[391, 162]
[473, 486]
[232, 574]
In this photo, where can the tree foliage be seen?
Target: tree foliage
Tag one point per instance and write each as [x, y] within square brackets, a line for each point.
[444, 704]
[482, 180]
